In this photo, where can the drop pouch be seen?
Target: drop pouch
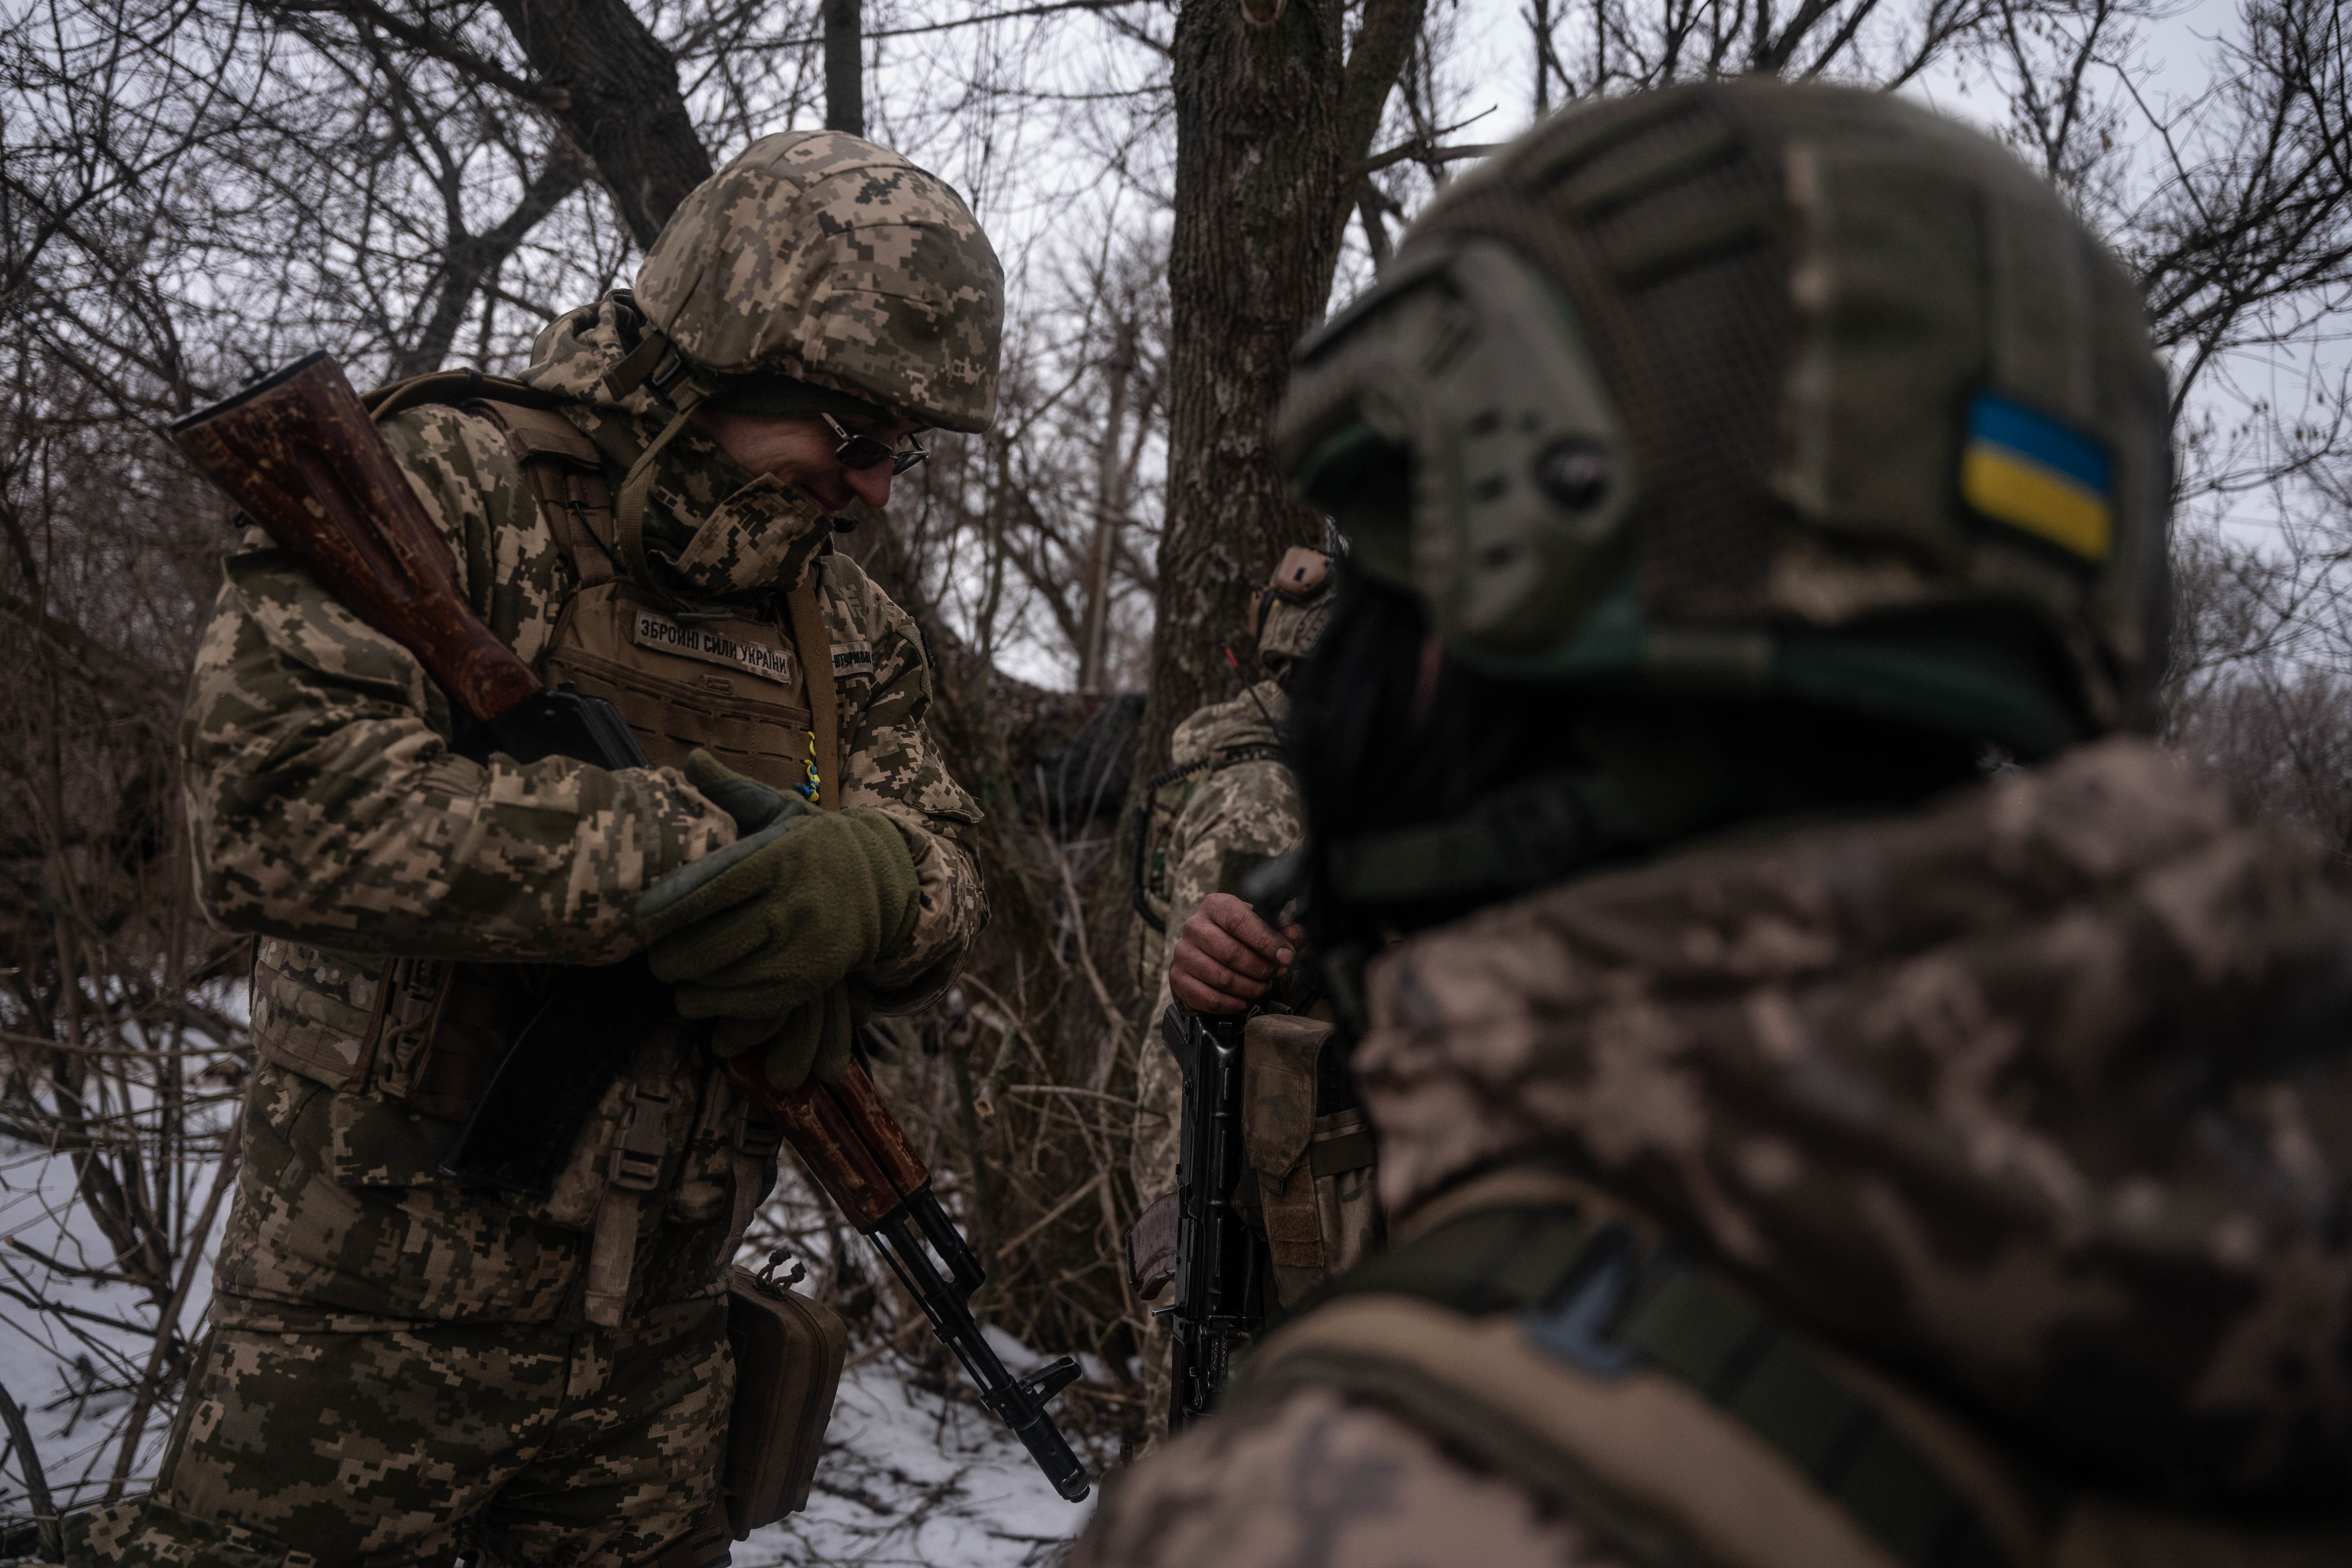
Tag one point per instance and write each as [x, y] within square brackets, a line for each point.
[788, 1352]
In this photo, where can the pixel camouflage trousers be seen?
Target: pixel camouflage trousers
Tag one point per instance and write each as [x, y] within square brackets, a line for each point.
[396, 1448]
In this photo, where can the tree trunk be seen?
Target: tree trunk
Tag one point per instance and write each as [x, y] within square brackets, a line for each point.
[1110, 506]
[1270, 121]
[622, 107]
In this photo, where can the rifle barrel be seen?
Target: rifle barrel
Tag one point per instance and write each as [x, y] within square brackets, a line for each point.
[826, 1126]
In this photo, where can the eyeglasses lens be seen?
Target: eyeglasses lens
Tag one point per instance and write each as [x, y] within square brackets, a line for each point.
[866, 452]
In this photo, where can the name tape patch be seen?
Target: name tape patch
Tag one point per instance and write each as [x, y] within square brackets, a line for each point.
[852, 659]
[656, 631]
[2025, 469]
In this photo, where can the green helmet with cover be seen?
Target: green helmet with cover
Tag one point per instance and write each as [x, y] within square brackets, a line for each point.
[1759, 387]
[818, 263]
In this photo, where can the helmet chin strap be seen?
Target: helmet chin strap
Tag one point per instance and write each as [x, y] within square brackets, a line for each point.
[655, 363]
[629, 511]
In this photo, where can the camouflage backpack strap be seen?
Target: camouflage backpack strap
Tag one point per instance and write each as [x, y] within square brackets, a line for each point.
[563, 466]
[1164, 797]
[566, 473]
[1624, 1384]
[455, 386]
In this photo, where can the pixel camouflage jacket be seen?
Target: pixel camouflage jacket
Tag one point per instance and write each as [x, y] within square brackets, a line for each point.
[327, 806]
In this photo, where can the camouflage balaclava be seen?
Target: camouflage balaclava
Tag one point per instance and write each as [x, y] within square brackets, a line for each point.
[1757, 387]
[816, 273]
[1288, 614]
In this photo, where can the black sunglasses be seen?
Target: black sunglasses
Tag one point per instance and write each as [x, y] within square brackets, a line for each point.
[858, 451]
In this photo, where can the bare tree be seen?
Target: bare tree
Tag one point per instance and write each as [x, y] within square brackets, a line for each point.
[1257, 239]
[121, 1039]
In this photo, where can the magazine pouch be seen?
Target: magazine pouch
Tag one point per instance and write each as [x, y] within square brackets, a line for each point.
[788, 1354]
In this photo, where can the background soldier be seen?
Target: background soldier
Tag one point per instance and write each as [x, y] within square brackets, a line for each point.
[397, 1367]
[1229, 806]
[1801, 1149]
[1226, 805]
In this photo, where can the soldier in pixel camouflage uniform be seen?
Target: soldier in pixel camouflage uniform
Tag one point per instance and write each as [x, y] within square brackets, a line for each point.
[1804, 1147]
[1231, 806]
[397, 1368]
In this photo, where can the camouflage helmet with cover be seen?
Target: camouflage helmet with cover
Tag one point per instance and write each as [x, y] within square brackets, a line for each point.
[817, 262]
[1793, 390]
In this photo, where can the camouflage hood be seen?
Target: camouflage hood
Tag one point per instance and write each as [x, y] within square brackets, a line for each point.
[709, 521]
[2039, 1092]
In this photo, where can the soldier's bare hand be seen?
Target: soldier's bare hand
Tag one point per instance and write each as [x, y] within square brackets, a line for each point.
[1225, 957]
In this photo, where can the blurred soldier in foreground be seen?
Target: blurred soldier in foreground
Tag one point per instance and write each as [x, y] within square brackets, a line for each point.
[1228, 807]
[1801, 1149]
[399, 1367]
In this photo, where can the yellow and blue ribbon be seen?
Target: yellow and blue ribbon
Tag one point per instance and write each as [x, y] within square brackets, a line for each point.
[2027, 471]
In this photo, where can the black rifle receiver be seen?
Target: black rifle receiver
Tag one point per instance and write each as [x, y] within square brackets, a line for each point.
[1221, 1269]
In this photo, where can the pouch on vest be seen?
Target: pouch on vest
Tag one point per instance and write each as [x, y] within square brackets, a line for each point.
[788, 1352]
[1311, 1149]
[425, 1031]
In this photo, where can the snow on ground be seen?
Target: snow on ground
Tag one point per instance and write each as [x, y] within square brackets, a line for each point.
[912, 1476]
[71, 1368]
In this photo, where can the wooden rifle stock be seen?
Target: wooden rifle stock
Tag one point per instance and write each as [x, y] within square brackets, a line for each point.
[855, 1149]
[828, 1145]
[298, 451]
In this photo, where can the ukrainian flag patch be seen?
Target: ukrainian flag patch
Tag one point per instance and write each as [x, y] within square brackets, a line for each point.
[2027, 471]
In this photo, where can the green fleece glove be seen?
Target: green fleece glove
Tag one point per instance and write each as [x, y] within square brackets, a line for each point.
[768, 927]
[751, 804]
[813, 1039]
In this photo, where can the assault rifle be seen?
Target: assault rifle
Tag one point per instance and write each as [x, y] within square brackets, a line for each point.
[873, 1176]
[299, 452]
[1220, 1267]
